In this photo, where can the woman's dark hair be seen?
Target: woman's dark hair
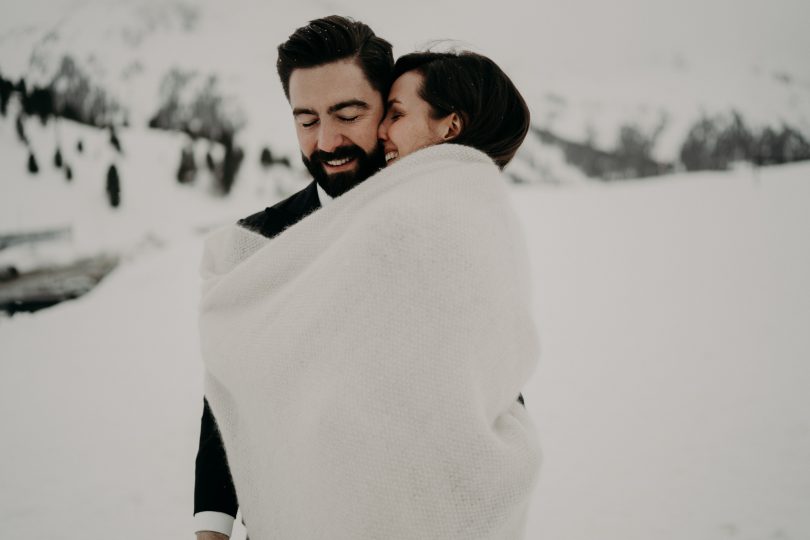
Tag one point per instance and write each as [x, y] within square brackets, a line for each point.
[494, 116]
[336, 38]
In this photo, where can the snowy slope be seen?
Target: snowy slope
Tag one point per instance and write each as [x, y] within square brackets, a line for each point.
[671, 393]
[154, 207]
[674, 93]
[586, 68]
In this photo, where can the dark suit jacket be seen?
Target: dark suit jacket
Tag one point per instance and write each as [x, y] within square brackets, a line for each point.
[213, 488]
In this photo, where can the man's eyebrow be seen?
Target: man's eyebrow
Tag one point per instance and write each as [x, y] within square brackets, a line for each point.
[348, 103]
[299, 111]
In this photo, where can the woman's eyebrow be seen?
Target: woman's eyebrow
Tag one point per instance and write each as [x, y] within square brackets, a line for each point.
[345, 104]
[392, 101]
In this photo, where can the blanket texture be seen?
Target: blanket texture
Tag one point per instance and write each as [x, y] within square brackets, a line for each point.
[363, 366]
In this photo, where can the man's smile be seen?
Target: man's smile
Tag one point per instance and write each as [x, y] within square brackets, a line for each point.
[339, 165]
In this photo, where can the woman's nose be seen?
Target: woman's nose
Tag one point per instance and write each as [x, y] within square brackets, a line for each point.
[382, 131]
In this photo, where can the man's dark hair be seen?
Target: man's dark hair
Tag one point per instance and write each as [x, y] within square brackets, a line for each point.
[494, 116]
[336, 38]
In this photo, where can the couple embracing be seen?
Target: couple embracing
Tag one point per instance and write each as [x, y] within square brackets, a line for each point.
[366, 340]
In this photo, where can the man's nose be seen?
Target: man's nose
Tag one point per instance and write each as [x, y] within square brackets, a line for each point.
[329, 138]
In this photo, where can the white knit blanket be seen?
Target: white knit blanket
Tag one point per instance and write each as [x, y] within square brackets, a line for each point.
[363, 366]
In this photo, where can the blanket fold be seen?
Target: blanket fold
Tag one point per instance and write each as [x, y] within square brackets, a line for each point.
[363, 366]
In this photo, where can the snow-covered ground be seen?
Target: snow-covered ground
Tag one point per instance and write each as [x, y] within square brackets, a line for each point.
[671, 395]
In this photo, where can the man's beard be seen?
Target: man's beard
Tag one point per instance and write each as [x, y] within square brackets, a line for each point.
[339, 183]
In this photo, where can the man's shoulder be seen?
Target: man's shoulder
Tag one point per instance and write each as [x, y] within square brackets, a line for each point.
[274, 219]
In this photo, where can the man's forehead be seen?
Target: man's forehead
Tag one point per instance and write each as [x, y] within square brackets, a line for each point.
[322, 87]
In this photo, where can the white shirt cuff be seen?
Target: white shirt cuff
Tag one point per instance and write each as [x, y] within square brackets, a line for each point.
[213, 521]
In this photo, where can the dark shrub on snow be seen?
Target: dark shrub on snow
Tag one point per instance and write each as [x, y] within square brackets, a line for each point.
[113, 186]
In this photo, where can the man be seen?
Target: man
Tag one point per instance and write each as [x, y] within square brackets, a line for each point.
[335, 73]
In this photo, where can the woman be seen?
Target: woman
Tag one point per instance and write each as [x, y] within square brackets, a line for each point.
[463, 98]
[368, 385]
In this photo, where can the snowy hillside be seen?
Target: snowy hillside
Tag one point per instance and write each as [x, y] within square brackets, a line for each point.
[671, 393]
[675, 94]
[154, 209]
[583, 89]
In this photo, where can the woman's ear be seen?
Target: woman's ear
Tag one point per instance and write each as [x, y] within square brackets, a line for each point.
[451, 127]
